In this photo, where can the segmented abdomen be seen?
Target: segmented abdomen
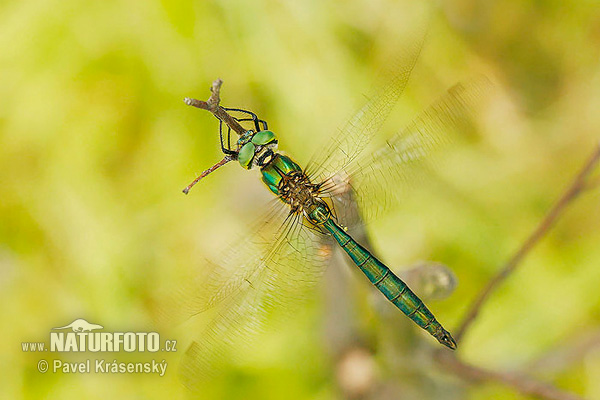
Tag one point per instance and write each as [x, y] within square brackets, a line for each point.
[384, 279]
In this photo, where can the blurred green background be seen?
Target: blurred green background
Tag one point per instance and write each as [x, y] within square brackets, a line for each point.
[96, 145]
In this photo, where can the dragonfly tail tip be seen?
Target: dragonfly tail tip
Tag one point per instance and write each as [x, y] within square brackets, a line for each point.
[447, 340]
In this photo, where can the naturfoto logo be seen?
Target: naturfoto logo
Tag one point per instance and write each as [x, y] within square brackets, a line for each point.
[80, 336]
[83, 336]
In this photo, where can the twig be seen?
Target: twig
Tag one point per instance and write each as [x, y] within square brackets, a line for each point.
[212, 105]
[521, 383]
[224, 161]
[579, 183]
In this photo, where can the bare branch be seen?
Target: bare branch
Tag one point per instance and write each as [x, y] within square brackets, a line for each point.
[212, 105]
[573, 191]
[521, 383]
[224, 161]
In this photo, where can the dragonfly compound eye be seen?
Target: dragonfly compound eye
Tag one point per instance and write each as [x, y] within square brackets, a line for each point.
[263, 137]
[246, 155]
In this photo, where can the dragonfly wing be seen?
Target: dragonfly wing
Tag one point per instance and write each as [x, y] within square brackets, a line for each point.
[210, 283]
[379, 179]
[275, 283]
[346, 145]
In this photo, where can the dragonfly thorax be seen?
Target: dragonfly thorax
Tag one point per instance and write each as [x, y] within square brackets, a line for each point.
[297, 190]
[286, 179]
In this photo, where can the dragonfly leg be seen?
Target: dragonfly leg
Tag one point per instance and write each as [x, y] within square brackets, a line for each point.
[257, 122]
[251, 119]
[226, 150]
[254, 117]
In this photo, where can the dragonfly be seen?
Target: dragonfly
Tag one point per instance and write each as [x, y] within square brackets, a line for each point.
[287, 250]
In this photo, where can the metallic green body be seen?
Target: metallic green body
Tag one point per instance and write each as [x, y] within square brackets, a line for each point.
[389, 284]
[273, 172]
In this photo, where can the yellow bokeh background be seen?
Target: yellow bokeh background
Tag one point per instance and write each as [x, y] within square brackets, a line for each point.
[96, 145]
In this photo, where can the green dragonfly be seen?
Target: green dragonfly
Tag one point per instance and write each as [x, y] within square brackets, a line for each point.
[287, 250]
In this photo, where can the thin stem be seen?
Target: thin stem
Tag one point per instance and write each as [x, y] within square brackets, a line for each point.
[521, 383]
[212, 105]
[224, 161]
[579, 183]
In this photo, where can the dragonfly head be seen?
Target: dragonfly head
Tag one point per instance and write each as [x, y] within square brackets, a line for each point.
[256, 148]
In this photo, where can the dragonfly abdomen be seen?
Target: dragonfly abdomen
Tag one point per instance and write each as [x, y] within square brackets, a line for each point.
[392, 287]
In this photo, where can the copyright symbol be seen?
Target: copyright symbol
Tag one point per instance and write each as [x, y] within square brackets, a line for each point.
[43, 366]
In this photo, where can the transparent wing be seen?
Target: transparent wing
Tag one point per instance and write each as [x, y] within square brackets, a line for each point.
[209, 283]
[379, 179]
[346, 145]
[278, 283]
[239, 268]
